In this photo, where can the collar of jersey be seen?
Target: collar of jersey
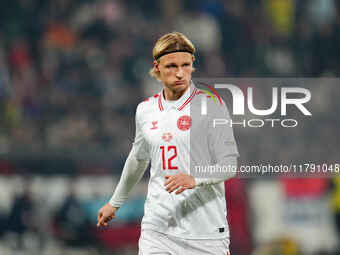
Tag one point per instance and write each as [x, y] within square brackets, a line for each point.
[180, 103]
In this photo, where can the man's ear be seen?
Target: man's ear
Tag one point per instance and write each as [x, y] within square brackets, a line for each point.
[156, 66]
[193, 61]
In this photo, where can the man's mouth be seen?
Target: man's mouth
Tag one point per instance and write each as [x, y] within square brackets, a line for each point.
[179, 82]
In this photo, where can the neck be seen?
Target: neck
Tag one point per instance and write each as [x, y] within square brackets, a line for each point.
[173, 95]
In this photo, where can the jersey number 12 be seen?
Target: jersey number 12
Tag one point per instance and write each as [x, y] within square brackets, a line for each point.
[166, 153]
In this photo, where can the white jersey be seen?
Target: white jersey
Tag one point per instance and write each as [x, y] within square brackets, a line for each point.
[163, 135]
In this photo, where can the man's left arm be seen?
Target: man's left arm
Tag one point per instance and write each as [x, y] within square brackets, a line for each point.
[222, 147]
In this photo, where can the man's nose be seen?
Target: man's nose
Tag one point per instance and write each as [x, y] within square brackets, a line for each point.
[179, 73]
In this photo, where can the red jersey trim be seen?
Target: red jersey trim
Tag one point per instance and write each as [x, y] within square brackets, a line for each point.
[160, 106]
[193, 93]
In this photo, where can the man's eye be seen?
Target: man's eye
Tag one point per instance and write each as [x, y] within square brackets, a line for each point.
[170, 66]
[186, 64]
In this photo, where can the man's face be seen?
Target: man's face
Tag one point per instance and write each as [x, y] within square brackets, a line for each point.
[175, 70]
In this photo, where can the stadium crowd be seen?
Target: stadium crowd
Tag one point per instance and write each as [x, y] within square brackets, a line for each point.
[72, 72]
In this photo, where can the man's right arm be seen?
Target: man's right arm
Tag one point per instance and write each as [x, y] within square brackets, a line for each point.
[134, 169]
[135, 165]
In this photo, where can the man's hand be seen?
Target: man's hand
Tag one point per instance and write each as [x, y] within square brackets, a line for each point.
[105, 214]
[181, 181]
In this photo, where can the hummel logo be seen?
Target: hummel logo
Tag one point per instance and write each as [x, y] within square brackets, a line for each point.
[154, 125]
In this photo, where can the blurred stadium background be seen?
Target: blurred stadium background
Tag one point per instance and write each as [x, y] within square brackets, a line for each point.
[71, 75]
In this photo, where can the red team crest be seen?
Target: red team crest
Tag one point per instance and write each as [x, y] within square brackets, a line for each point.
[184, 122]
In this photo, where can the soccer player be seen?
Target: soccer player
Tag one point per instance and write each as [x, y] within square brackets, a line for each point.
[184, 214]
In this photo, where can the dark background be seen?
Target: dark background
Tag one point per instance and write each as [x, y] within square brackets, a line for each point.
[71, 75]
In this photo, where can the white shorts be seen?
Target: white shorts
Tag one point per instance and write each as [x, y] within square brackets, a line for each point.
[155, 243]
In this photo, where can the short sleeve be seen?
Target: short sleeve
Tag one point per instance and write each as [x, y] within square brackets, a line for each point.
[221, 137]
[140, 148]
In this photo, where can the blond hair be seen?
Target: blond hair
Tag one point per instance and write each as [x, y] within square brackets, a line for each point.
[168, 43]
